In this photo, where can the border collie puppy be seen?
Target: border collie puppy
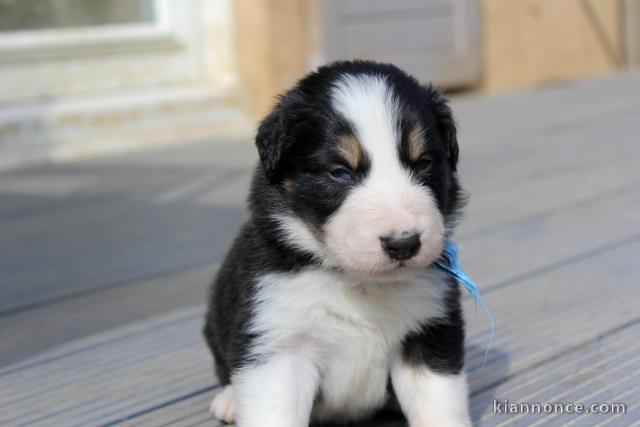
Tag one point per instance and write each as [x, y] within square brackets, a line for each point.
[328, 305]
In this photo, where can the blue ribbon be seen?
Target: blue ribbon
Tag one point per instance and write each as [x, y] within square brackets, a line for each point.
[448, 262]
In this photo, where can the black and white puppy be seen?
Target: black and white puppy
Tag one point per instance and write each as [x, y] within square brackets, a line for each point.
[328, 303]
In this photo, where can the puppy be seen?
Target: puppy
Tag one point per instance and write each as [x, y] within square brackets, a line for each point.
[328, 305]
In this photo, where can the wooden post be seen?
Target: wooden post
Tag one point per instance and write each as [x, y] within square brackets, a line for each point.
[272, 39]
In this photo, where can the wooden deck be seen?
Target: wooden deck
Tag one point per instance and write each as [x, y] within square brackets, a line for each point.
[104, 266]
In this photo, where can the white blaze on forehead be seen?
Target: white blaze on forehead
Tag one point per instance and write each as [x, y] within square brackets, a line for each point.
[368, 103]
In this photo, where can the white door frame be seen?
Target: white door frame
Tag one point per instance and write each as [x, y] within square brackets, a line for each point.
[168, 50]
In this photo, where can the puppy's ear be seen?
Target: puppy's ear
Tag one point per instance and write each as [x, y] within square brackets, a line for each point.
[271, 141]
[278, 132]
[446, 128]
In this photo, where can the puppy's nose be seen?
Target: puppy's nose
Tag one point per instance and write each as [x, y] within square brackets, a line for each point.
[401, 248]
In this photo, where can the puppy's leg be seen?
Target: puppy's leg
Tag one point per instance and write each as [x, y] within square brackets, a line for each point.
[276, 393]
[428, 398]
[223, 406]
[427, 373]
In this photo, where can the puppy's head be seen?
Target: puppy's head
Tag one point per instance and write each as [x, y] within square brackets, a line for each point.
[360, 162]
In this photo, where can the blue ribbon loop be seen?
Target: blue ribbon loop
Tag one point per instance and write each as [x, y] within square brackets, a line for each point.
[448, 262]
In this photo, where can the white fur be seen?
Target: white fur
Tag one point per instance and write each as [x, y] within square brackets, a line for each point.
[279, 392]
[388, 202]
[319, 321]
[428, 398]
[299, 236]
[379, 209]
[369, 104]
[223, 406]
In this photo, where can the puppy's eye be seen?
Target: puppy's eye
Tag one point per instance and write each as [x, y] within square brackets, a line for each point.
[341, 174]
[423, 164]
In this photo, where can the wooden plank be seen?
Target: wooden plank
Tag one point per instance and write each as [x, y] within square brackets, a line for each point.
[602, 373]
[512, 253]
[551, 316]
[188, 412]
[136, 238]
[490, 122]
[158, 362]
[544, 172]
[112, 208]
[83, 315]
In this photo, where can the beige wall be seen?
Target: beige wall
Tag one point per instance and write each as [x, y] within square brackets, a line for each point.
[273, 41]
[528, 42]
[632, 27]
[525, 42]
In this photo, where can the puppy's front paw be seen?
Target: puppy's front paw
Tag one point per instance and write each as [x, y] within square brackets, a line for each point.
[223, 406]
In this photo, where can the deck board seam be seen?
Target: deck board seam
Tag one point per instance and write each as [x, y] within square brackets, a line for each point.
[114, 284]
[560, 355]
[99, 344]
[563, 262]
[161, 405]
[595, 199]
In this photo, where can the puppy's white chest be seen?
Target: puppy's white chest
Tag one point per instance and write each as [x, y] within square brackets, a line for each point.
[352, 330]
[355, 370]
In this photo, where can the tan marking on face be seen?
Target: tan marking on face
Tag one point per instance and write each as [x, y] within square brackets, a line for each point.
[317, 232]
[350, 150]
[416, 142]
[289, 186]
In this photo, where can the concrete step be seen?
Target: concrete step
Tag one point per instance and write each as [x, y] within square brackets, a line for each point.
[69, 128]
